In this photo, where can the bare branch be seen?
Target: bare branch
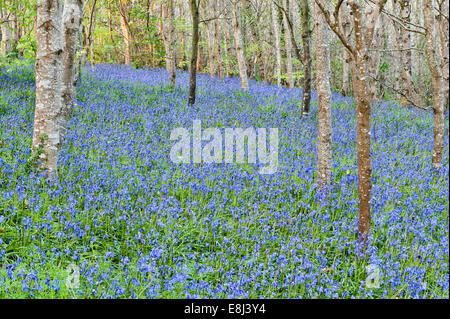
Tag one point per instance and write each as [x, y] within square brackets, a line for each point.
[335, 27]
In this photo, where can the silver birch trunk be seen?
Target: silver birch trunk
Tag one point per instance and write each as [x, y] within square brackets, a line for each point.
[276, 33]
[437, 82]
[48, 69]
[324, 99]
[71, 23]
[239, 45]
[288, 47]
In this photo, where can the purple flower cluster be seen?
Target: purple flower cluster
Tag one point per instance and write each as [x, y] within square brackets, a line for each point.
[139, 226]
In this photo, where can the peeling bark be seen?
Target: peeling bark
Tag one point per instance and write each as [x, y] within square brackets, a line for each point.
[324, 101]
[71, 26]
[48, 69]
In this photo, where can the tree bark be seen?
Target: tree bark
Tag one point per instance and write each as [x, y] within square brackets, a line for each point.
[126, 32]
[211, 48]
[324, 100]
[239, 45]
[444, 42]
[363, 34]
[437, 82]
[346, 28]
[195, 38]
[48, 70]
[404, 52]
[5, 44]
[71, 26]
[307, 61]
[171, 53]
[276, 33]
[218, 51]
[288, 46]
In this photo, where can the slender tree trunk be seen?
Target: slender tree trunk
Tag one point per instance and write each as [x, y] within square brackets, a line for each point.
[239, 45]
[71, 26]
[437, 82]
[91, 39]
[218, 52]
[404, 52]
[165, 34]
[444, 42]
[346, 28]
[288, 46]
[126, 32]
[363, 34]
[5, 45]
[227, 49]
[110, 31]
[211, 50]
[170, 39]
[48, 70]
[324, 100]
[306, 38]
[254, 39]
[195, 38]
[276, 33]
[375, 57]
[14, 32]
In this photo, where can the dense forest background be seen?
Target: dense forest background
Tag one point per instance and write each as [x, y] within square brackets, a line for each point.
[139, 33]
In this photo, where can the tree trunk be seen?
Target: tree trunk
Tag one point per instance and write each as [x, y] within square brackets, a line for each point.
[46, 133]
[375, 58]
[346, 27]
[239, 45]
[171, 53]
[437, 82]
[444, 42]
[404, 52]
[324, 100]
[306, 38]
[5, 45]
[126, 32]
[195, 38]
[218, 53]
[276, 33]
[71, 26]
[211, 49]
[288, 46]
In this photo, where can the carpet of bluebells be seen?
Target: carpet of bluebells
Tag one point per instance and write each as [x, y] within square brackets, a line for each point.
[139, 226]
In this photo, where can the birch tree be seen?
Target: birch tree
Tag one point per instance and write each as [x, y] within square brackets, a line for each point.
[195, 38]
[217, 49]
[288, 45]
[71, 25]
[306, 59]
[363, 25]
[239, 44]
[276, 34]
[5, 40]
[324, 99]
[437, 81]
[443, 23]
[170, 39]
[46, 132]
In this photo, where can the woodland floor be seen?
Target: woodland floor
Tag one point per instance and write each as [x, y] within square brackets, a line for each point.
[138, 225]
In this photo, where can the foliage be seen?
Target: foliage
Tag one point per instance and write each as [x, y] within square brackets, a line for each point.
[139, 226]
